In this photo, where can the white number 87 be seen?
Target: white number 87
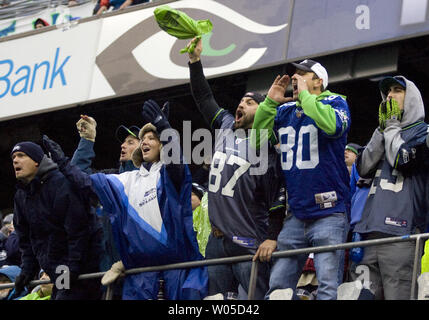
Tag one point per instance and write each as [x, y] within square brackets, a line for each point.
[216, 172]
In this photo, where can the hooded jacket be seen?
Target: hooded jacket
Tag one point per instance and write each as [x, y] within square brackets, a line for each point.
[54, 224]
[151, 221]
[396, 203]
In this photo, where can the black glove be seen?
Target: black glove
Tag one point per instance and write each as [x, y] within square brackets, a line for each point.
[21, 281]
[55, 151]
[152, 113]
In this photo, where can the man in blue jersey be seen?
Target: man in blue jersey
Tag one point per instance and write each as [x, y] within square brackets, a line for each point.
[312, 132]
[246, 204]
[397, 200]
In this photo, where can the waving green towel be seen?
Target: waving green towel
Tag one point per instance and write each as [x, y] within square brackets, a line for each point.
[180, 25]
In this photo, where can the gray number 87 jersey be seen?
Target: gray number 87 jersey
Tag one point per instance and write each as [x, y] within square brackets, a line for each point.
[243, 185]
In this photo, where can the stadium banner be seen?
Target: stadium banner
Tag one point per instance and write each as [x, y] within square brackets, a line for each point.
[53, 16]
[135, 55]
[46, 71]
[327, 26]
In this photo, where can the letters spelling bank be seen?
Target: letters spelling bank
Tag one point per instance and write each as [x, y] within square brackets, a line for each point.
[26, 78]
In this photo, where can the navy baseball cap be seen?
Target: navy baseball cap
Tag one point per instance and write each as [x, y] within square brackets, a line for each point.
[122, 132]
[387, 82]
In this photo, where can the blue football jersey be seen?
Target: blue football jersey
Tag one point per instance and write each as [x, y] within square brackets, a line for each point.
[313, 163]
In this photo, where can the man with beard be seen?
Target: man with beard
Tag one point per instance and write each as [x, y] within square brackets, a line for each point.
[246, 206]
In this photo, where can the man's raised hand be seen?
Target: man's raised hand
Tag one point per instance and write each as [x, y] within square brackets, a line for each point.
[278, 89]
[195, 55]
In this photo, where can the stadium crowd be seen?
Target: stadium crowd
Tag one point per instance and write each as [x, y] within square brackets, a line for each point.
[316, 189]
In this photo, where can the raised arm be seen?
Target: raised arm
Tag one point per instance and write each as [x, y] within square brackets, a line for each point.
[200, 89]
[75, 175]
[84, 154]
[169, 137]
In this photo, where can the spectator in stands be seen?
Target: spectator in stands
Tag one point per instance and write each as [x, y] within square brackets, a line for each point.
[42, 291]
[117, 4]
[11, 245]
[82, 158]
[238, 215]
[7, 227]
[359, 187]
[5, 232]
[350, 154]
[395, 158]
[54, 224]
[8, 220]
[72, 3]
[154, 226]
[40, 23]
[84, 154]
[312, 130]
[200, 216]
[8, 274]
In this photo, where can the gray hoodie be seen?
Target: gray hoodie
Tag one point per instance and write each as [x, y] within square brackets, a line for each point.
[390, 141]
[396, 202]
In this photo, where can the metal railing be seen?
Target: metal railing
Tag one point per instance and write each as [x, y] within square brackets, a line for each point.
[418, 238]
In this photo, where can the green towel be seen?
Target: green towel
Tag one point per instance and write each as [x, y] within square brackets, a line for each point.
[202, 224]
[35, 296]
[425, 258]
[180, 25]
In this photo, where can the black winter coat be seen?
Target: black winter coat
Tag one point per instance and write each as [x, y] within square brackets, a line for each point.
[55, 225]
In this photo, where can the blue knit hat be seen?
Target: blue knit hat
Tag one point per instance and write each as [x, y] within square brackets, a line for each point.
[31, 149]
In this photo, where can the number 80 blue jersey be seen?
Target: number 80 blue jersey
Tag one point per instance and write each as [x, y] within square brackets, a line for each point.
[313, 162]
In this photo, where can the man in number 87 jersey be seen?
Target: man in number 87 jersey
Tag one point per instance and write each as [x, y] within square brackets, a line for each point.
[312, 130]
[246, 200]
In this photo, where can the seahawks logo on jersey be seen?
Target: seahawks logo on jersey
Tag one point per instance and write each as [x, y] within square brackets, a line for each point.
[299, 112]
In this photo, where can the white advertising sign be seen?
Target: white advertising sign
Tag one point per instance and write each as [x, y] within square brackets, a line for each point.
[47, 70]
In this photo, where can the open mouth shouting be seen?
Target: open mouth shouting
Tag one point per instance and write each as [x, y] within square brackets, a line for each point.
[239, 115]
[295, 88]
[17, 170]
